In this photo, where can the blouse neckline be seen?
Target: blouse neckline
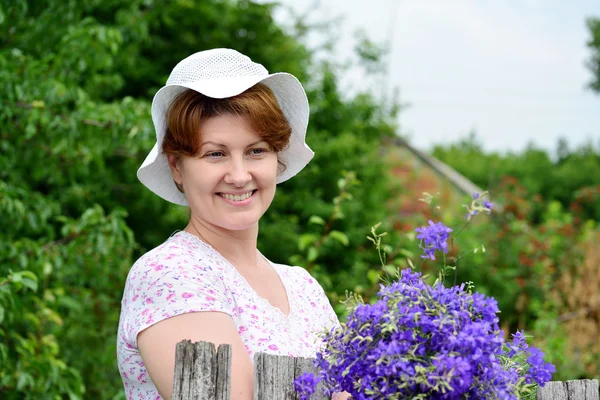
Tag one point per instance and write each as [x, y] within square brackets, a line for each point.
[265, 302]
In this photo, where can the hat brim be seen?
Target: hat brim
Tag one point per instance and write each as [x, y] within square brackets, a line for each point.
[155, 172]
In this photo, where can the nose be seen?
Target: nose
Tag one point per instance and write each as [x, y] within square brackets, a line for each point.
[238, 174]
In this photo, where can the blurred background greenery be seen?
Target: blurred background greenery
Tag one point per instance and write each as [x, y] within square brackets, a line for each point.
[77, 79]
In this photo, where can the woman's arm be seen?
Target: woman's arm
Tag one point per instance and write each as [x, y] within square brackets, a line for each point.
[157, 347]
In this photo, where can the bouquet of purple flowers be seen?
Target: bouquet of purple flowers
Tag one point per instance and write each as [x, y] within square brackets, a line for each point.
[423, 341]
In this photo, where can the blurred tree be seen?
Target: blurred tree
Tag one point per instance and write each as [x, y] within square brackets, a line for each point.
[552, 177]
[593, 64]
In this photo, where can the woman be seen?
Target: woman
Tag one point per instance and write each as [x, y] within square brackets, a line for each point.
[227, 133]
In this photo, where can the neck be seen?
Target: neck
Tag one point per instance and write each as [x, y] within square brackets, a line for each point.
[238, 247]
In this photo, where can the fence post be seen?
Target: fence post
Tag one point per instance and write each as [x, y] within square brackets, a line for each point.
[583, 389]
[274, 376]
[201, 373]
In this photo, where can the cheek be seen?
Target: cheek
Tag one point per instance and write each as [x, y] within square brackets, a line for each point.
[202, 179]
[274, 167]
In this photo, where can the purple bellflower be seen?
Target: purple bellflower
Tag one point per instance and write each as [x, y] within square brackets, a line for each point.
[433, 238]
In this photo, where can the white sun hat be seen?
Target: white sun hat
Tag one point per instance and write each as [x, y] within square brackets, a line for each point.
[221, 73]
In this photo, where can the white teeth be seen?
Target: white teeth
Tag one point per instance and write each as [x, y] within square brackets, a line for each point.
[235, 197]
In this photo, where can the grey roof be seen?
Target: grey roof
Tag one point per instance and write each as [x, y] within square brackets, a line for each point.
[445, 171]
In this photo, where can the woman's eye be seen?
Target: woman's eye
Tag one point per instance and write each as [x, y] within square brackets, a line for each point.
[258, 151]
[215, 154]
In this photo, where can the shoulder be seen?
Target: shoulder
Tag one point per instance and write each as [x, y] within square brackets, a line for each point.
[179, 256]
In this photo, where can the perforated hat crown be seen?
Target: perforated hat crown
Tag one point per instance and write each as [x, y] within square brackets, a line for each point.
[222, 73]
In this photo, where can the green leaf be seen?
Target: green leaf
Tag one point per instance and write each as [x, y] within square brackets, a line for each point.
[390, 269]
[407, 253]
[3, 354]
[47, 268]
[315, 219]
[25, 278]
[372, 275]
[340, 237]
[312, 254]
[305, 240]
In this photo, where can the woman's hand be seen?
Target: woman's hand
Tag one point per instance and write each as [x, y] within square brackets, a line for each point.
[341, 396]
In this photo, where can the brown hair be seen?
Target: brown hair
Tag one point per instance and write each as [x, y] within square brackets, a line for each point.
[190, 109]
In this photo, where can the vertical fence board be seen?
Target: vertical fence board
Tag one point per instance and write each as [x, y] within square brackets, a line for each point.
[307, 365]
[274, 377]
[204, 371]
[197, 373]
[178, 379]
[184, 361]
[223, 372]
[584, 389]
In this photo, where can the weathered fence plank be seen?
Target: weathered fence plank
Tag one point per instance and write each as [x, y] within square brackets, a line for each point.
[584, 389]
[307, 365]
[223, 372]
[200, 372]
[274, 376]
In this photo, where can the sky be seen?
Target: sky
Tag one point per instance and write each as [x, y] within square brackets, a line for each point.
[512, 71]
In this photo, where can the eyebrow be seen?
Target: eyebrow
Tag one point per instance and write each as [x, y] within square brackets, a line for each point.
[224, 146]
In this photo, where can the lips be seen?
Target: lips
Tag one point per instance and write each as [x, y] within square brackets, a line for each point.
[237, 197]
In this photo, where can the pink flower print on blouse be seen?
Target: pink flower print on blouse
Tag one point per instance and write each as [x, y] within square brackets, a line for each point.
[273, 347]
[187, 295]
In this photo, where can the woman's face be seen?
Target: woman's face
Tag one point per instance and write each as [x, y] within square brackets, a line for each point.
[231, 182]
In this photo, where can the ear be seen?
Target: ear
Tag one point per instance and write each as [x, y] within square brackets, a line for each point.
[175, 166]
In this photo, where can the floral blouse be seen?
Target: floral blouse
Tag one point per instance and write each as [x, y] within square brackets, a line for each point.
[184, 274]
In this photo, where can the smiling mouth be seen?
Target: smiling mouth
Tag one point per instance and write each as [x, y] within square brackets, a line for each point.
[236, 197]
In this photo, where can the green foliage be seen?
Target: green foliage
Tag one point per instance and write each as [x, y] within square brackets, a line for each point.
[550, 177]
[77, 79]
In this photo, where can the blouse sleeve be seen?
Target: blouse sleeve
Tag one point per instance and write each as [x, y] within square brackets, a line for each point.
[166, 283]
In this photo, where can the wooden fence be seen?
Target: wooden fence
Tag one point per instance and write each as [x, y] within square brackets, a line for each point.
[202, 373]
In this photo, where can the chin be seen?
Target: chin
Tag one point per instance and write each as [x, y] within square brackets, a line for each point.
[239, 225]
